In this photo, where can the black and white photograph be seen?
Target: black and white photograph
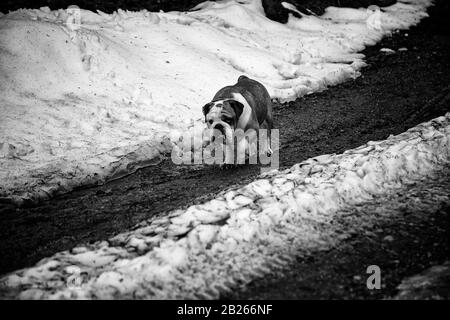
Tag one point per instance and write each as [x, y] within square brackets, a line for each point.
[240, 151]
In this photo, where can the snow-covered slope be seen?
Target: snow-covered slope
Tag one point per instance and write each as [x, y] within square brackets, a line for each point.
[246, 233]
[90, 100]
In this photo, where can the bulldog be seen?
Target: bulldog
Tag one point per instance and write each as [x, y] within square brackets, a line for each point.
[245, 105]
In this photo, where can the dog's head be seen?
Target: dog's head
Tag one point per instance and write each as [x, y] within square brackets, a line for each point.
[223, 115]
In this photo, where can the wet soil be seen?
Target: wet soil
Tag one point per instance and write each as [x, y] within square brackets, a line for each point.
[395, 92]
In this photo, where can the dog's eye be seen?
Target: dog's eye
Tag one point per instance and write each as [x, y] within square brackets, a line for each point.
[210, 121]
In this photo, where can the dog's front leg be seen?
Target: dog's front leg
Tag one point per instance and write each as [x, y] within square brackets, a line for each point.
[241, 150]
[229, 152]
[265, 139]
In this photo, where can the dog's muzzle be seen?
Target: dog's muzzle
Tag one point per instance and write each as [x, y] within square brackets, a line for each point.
[220, 128]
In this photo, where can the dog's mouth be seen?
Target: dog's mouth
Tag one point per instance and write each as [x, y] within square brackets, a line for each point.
[221, 130]
[219, 127]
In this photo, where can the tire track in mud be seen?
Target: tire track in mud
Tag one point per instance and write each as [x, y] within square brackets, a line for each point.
[387, 99]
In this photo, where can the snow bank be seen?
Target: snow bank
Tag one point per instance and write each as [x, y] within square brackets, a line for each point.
[87, 97]
[245, 233]
[430, 284]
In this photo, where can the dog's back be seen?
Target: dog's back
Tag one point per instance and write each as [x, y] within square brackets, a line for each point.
[255, 94]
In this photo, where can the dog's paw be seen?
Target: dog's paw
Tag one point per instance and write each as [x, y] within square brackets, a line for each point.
[227, 166]
[269, 152]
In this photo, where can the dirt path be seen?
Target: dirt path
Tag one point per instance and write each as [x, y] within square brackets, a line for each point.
[393, 94]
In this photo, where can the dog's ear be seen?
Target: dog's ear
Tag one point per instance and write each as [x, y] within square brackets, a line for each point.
[237, 107]
[207, 107]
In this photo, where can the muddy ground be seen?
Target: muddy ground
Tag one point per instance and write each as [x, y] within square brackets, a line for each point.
[394, 93]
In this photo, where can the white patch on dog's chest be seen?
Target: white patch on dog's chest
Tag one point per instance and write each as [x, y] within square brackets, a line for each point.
[246, 113]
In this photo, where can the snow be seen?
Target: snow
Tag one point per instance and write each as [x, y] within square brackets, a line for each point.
[264, 225]
[88, 97]
[387, 50]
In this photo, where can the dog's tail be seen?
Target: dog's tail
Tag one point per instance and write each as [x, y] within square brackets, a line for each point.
[242, 78]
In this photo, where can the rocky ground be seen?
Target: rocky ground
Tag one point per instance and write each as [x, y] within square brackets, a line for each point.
[396, 91]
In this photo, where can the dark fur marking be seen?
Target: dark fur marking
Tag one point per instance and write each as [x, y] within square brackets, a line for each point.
[207, 107]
